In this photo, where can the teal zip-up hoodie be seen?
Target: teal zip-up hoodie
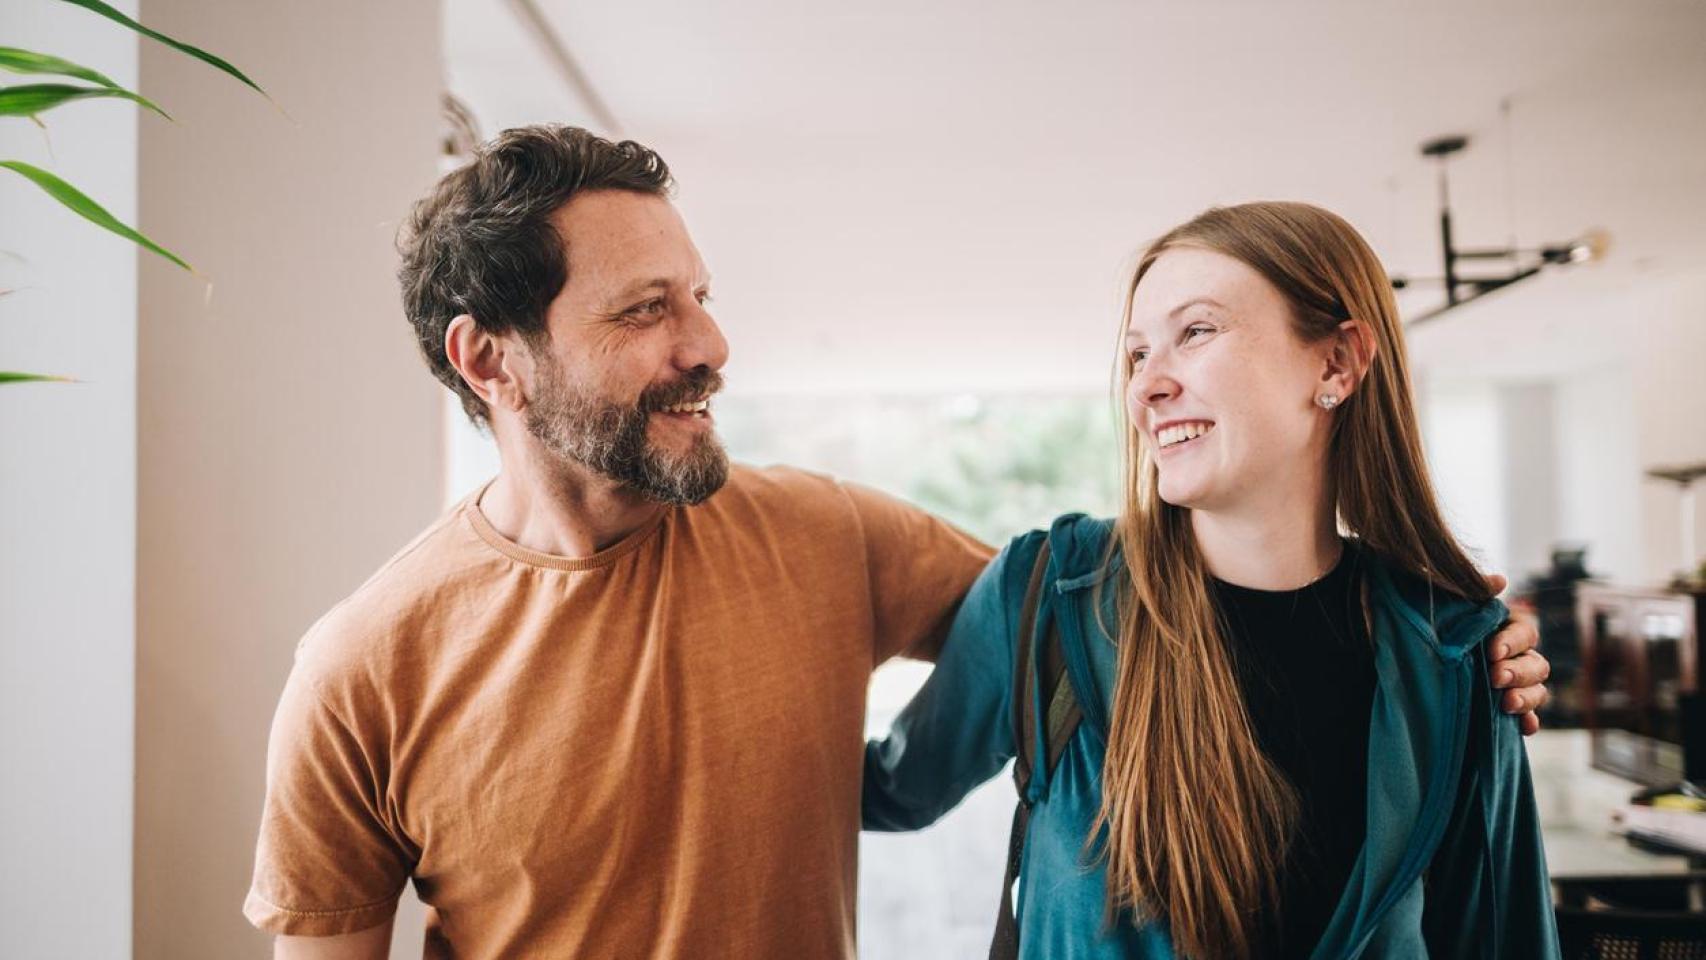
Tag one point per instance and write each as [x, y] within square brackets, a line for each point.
[1452, 865]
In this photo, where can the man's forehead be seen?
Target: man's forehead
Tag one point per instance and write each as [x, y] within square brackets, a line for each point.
[620, 238]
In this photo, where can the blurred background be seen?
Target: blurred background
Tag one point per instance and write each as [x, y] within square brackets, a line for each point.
[919, 216]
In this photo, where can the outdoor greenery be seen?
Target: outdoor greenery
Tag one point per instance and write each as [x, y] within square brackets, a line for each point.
[31, 100]
[994, 465]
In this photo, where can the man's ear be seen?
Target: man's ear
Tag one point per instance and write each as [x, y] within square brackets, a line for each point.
[488, 363]
[1351, 351]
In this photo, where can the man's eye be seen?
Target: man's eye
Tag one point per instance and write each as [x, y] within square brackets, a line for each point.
[704, 297]
[650, 308]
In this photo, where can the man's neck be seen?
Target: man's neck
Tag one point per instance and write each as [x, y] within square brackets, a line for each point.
[1272, 546]
[562, 510]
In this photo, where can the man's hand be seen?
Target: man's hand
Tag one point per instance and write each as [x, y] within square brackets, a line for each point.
[1517, 665]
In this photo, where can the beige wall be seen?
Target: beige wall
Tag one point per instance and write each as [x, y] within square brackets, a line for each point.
[289, 436]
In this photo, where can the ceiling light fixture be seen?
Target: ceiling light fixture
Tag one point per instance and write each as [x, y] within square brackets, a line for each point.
[1524, 262]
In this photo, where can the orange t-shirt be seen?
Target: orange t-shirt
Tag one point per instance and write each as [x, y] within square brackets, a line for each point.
[654, 751]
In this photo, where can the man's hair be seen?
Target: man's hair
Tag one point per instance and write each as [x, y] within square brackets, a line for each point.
[482, 242]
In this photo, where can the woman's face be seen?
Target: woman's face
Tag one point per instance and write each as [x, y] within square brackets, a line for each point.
[1222, 389]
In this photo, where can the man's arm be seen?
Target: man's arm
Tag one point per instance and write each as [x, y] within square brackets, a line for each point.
[374, 943]
[330, 862]
[920, 568]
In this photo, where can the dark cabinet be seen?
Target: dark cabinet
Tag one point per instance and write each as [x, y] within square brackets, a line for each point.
[1638, 680]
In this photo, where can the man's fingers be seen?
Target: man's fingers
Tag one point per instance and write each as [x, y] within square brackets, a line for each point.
[1527, 670]
[1523, 702]
[1526, 699]
[1515, 638]
[1517, 668]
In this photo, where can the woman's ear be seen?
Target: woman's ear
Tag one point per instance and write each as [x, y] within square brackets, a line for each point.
[1351, 350]
[486, 362]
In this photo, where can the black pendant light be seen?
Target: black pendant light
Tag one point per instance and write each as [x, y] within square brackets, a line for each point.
[1521, 262]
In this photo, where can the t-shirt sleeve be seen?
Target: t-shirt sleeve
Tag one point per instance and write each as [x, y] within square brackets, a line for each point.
[326, 863]
[920, 568]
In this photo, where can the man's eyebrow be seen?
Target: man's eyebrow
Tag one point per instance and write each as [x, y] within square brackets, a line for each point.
[633, 290]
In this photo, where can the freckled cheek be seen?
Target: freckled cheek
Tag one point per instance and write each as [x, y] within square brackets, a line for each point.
[1225, 364]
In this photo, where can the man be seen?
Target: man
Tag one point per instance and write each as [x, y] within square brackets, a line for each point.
[610, 705]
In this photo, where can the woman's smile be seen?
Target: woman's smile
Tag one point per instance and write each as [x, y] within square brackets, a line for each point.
[1174, 434]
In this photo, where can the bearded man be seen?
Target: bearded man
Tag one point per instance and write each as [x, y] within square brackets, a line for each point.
[611, 704]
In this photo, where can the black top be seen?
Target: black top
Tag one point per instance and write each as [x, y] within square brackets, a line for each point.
[1306, 668]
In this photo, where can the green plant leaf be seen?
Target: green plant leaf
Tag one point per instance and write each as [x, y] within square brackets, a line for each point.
[28, 61]
[29, 99]
[8, 376]
[106, 11]
[78, 203]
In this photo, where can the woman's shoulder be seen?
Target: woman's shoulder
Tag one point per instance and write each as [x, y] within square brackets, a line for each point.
[1080, 553]
[1085, 549]
[1455, 622]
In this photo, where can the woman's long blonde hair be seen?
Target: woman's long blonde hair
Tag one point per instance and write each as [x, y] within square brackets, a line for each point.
[1196, 818]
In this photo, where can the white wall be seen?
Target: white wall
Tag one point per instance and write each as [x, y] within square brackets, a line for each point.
[1668, 322]
[67, 512]
[1580, 395]
[290, 435]
[1598, 469]
[1463, 435]
[1531, 481]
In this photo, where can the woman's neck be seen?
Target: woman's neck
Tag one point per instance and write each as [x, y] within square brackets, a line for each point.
[1269, 549]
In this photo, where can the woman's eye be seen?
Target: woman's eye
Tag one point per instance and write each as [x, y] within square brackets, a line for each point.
[703, 297]
[1197, 330]
[1138, 356]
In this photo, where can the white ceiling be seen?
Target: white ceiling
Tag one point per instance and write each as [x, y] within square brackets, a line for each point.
[942, 196]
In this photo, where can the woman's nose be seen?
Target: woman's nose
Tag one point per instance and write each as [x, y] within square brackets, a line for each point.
[1153, 385]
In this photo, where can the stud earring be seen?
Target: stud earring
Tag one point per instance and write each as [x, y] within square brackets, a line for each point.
[1327, 401]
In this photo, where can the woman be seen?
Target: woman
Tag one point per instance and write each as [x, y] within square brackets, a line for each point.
[1288, 745]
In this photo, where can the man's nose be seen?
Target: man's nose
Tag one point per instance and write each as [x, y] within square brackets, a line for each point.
[702, 343]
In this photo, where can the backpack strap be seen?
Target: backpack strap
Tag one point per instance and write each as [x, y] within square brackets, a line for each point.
[1062, 714]
[1024, 712]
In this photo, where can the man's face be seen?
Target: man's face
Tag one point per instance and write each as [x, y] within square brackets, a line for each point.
[630, 357]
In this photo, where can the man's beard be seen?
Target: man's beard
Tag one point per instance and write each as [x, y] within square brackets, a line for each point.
[611, 438]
